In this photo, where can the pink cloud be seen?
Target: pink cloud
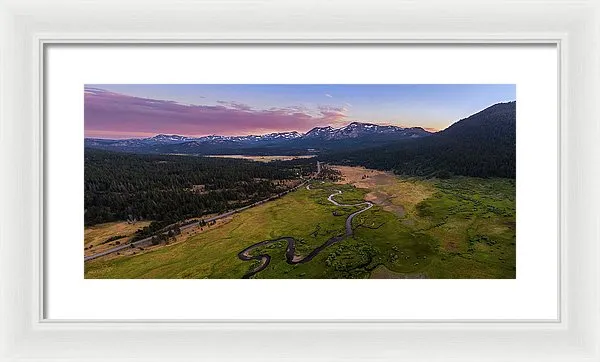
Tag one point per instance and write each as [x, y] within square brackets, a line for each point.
[109, 114]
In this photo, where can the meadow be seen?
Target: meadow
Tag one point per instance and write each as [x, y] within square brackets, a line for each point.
[100, 237]
[461, 227]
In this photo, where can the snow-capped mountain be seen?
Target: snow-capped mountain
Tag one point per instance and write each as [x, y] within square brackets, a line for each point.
[358, 129]
[316, 138]
[282, 136]
[168, 138]
[320, 132]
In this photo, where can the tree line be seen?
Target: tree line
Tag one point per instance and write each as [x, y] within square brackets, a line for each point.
[170, 188]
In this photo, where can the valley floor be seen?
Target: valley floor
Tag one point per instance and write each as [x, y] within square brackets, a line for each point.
[453, 228]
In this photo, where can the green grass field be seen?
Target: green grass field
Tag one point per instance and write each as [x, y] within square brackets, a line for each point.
[465, 229]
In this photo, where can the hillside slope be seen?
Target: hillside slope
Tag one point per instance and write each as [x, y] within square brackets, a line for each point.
[482, 145]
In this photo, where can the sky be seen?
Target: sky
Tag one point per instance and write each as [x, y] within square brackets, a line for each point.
[144, 110]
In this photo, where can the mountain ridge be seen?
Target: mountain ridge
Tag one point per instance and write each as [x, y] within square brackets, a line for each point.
[293, 134]
[481, 145]
[354, 132]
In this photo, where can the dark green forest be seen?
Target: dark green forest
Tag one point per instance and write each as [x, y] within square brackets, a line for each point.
[169, 188]
[482, 145]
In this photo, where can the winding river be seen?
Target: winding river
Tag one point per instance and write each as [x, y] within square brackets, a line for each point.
[290, 253]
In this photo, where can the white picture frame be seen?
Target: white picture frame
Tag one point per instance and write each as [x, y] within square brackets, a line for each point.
[26, 26]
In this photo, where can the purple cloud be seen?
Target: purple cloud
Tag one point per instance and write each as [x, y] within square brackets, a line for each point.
[109, 114]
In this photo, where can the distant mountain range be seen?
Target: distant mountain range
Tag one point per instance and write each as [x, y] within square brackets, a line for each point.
[318, 139]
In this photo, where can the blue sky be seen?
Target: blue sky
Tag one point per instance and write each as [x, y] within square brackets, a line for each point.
[138, 110]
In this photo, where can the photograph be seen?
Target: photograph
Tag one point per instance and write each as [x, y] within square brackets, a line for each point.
[299, 181]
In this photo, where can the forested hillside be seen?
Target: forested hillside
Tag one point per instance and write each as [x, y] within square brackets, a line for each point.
[482, 145]
[168, 188]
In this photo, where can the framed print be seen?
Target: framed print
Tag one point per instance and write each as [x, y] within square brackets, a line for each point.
[312, 181]
[447, 223]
